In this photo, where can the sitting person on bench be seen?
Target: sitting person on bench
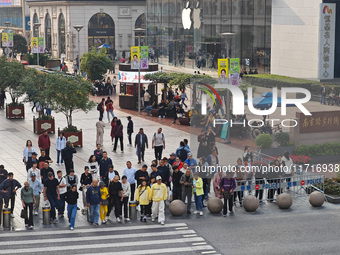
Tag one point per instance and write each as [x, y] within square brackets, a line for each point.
[179, 113]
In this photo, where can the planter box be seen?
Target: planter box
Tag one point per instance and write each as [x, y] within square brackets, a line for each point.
[278, 151]
[15, 112]
[184, 121]
[40, 125]
[326, 159]
[74, 137]
[333, 199]
[154, 112]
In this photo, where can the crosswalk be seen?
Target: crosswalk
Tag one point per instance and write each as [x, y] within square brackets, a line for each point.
[172, 238]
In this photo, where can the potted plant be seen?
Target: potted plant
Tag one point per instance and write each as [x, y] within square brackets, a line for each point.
[67, 95]
[11, 75]
[34, 84]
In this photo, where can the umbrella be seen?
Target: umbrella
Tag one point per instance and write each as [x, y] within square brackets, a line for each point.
[104, 46]
[265, 101]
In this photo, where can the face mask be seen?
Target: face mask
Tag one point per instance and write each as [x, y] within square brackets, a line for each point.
[249, 160]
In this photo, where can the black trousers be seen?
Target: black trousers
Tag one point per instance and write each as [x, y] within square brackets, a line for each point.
[148, 209]
[29, 216]
[125, 203]
[129, 136]
[238, 194]
[133, 188]
[115, 202]
[116, 142]
[143, 210]
[259, 192]
[228, 202]
[68, 165]
[101, 114]
[47, 151]
[177, 193]
[12, 198]
[158, 152]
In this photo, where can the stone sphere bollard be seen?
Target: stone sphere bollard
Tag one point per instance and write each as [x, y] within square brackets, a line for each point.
[215, 205]
[284, 201]
[250, 203]
[177, 208]
[316, 199]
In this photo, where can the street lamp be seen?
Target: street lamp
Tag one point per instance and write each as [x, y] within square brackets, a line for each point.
[37, 25]
[228, 36]
[139, 30]
[7, 23]
[78, 28]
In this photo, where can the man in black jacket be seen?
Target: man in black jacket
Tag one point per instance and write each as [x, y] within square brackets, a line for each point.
[3, 174]
[129, 129]
[142, 175]
[45, 170]
[115, 187]
[177, 186]
[67, 154]
[141, 142]
[164, 172]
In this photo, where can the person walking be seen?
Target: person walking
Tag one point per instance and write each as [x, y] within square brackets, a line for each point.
[198, 193]
[142, 175]
[71, 179]
[186, 181]
[52, 194]
[158, 143]
[113, 124]
[62, 184]
[177, 187]
[27, 200]
[109, 108]
[28, 151]
[104, 164]
[143, 197]
[130, 173]
[227, 186]
[141, 142]
[114, 84]
[30, 161]
[3, 175]
[159, 194]
[104, 193]
[183, 96]
[323, 94]
[115, 188]
[60, 145]
[125, 202]
[71, 197]
[147, 97]
[34, 170]
[44, 142]
[9, 189]
[100, 108]
[37, 187]
[67, 154]
[130, 130]
[85, 182]
[118, 131]
[100, 125]
[93, 199]
[93, 167]
[45, 170]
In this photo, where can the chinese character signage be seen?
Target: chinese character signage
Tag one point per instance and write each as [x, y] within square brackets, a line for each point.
[135, 57]
[223, 70]
[4, 40]
[41, 44]
[144, 57]
[327, 41]
[319, 122]
[10, 40]
[234, 65]
[34, 45]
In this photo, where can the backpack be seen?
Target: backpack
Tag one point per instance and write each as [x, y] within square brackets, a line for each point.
[99, 107]
[182, 154]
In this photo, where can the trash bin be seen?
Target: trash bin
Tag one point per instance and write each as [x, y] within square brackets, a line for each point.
[6, 218]
[132, 210]
[46, 215]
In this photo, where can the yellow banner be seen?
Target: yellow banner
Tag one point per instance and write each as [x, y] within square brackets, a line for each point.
[135, 57]
[4, 40]
[223, 70]
[34, 45]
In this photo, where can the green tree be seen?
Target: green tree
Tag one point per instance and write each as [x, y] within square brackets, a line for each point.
[11, 76]
[67, 95]
[95, 64]
[32, 59]
[20, 44]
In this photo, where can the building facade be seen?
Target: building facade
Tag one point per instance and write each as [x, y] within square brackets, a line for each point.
[109, 22]
[184, 32]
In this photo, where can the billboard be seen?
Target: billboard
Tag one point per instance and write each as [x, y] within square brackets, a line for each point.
[144, 57]
[5, 3]
[135, 57]
[34, 45]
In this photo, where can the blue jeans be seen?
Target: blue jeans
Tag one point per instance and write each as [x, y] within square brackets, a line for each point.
[148, 109]
[59, 155]
[52, 198]
[94, 211]
[323, 99]
[198, 202]
[183, 99]
[72, 213]
[108, 114]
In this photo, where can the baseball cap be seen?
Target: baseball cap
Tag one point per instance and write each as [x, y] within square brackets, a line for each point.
[189, 154]
[128, 117]
[34, 153]
[172, 154]
[33, 174]
[158, 178]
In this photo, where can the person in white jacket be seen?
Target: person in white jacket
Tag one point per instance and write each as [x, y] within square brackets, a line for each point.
[34, 169]
[60, 145]
[125, 202]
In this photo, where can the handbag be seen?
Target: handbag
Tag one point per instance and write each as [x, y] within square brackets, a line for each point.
[105, 202]
[23, 214]
[227, 194]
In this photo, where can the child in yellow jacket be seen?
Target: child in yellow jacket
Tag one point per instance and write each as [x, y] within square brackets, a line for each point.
[143, 196]
[103, 207]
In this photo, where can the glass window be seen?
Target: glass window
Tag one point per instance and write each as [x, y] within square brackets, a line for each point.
[61, 32]
[48, 37]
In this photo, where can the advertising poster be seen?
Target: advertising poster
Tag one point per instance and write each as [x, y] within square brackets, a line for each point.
[144, 57]
[223, 70]
[234, 65]
[10, 40]
[235, 79]
[41, 45]
[4, 40]
[135, 57]
[34, 45]
[5, 2]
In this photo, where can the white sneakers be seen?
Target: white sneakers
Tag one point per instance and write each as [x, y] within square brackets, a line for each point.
[36, 213]
[201, 213]
[153, 220]
[196, 212]
[12, 215]
[118, 219]
[162, 223]
[104, 222]
[127, 219]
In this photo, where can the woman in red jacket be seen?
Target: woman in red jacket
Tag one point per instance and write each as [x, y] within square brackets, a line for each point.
[113, 124]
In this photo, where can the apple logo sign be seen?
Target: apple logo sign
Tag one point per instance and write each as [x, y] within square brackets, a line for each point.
[186, 19]
[197, 16]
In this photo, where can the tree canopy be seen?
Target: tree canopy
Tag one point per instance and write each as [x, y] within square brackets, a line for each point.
[20, 44]
[95, 64]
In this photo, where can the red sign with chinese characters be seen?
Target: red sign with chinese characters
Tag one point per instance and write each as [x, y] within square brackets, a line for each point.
[319, 122]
